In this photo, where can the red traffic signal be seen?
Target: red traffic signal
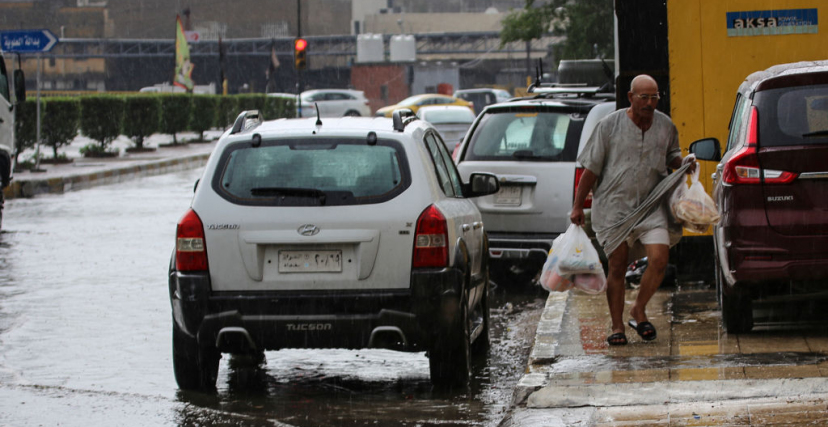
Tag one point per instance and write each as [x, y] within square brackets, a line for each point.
[299, 48]
[300, 44]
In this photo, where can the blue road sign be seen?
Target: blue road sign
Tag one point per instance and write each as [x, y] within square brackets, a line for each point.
[27, 41]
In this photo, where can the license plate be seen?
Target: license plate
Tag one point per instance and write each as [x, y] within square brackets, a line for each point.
[509, 195]
[310, 261]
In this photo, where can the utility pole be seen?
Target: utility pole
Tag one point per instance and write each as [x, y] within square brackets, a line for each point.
[299, 72]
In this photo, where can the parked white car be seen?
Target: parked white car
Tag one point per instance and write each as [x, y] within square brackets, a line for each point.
[334, 103]
[531, 144]
[12, 92]
[352, 233]
[452, 121]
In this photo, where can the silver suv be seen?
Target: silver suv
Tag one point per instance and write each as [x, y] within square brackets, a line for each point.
[531, 144]
[330, 233]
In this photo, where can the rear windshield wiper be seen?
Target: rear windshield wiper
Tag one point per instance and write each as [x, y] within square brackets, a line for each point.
[823, 132]
[525, 154]
[289, 192]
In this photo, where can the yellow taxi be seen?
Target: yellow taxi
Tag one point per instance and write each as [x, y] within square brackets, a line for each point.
[415, 102]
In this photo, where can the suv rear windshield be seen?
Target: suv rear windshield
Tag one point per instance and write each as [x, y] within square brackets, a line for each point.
[526, 134]
[312, 173]
[793, 116]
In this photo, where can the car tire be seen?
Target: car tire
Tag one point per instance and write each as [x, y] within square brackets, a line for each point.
[195, 368]
[481, 344]
[737, 310]
[450, 355]
[352, 113]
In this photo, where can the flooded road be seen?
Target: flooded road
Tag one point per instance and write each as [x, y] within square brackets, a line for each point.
[85, 333]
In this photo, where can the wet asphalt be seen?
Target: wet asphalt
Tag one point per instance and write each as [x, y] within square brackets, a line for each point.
[694, 373]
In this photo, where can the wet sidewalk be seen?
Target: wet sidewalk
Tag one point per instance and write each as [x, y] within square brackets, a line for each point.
[83, 172]
[692, 374]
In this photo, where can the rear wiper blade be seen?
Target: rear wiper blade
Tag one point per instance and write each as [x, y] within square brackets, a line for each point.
[525, 154]
[289, 192]
[823, 132]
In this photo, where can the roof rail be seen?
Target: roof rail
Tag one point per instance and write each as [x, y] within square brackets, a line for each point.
[579, 89]
[401, 118]
[246, 120]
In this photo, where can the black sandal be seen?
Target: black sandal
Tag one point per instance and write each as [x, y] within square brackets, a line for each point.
[645, 330]
[618, 338]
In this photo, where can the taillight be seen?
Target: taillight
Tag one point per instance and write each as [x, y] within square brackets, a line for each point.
[743, 166]
[190, 253]
[588, 202]
[430, 239]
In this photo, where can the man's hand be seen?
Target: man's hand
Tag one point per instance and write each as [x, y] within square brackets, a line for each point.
[577, 216]
[691, 159]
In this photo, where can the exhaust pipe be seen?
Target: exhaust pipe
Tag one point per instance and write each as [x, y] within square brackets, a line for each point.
[387, 337]
[229, 335]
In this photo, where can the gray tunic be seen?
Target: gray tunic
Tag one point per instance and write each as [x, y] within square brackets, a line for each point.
[628, 163]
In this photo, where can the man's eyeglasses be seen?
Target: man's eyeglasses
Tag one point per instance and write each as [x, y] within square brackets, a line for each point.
[647, 98]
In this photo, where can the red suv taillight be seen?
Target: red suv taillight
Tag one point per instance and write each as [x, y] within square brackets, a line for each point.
[588, 202]
[743, 166]
[430, 240]
[190, 253]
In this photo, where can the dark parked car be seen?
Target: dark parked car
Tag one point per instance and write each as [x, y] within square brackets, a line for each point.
[770, 187]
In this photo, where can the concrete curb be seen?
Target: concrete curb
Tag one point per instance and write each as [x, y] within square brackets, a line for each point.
[663, 392]
[32, 186]
[545, 346]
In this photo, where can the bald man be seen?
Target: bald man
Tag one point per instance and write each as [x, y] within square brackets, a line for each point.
[628, 154]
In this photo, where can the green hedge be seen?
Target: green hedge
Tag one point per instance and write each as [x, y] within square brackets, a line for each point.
[101, 118]
[176, 111]
[228, 109]
[25, 126]
[142, 115]
[205, 112]
[59, 122]
[105, 117]
[250, 101]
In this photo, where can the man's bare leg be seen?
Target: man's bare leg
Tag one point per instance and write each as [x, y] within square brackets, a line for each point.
[617, 264]
[657, 257]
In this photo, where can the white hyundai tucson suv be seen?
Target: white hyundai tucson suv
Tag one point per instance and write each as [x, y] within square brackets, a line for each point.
[330, 233]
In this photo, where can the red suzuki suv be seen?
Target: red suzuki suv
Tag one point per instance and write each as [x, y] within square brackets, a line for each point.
[771, 186]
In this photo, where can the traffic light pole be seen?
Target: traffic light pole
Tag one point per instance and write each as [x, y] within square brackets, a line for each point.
[298, 72]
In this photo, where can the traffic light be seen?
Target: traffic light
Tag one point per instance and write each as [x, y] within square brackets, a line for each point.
[300, 48]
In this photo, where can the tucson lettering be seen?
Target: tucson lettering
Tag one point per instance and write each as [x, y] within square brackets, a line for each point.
[309, 326]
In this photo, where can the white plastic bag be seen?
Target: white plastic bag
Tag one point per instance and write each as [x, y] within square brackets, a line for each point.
[573, 262]
[591, 283]
[692, 207]
[578, 256]
[550, 278]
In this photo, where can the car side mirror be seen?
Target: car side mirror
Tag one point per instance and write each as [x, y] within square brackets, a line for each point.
[482, 184]
[19, 86]
[706, 149]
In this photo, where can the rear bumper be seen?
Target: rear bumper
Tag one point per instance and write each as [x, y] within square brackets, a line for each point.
[758, 254]
[237, 322]
[517, 246]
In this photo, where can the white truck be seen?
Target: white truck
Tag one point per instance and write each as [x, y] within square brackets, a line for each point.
[12, 91]
[209, 89]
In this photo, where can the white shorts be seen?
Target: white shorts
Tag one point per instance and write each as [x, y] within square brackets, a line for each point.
[656, 236]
